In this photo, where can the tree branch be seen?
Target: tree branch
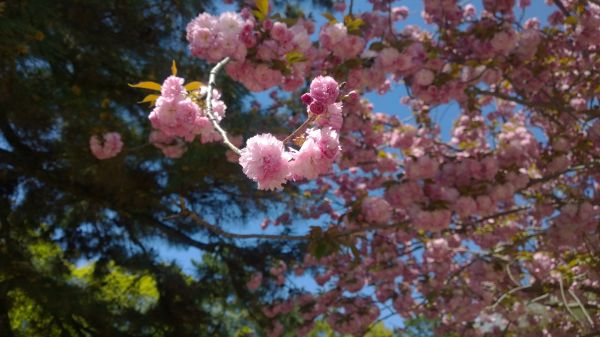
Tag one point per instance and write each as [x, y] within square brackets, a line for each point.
[209, 109]
[219, 231]
[300, 129]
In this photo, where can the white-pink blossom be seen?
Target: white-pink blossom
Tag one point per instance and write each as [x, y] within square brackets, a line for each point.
[265, 161]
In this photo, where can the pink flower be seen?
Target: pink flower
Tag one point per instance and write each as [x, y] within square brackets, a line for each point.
[214, 38]
[423, 168]
[171, 147]
[109, 147]
[333, 118]
[306, 98]
[317, 154]
[424, 77]
[280, 33]
[316, 107]
[403, 138]
[265, 161]
[324, 89]
[504, 41]
[255, 281]
[465, 206]
[306, 162]
[376, 210]
[172, 88]
[578, 103]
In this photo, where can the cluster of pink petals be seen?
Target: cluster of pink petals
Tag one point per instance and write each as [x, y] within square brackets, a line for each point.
[324, 89]
[177, 118]
[496, 182]
[335, 38]
[213, 38]
[258, 74]
[237, 35]
[255, 281]
[376, 210]
[106, 147]
[171, 147]
[317, 154]
[266, 160]
[255, 77]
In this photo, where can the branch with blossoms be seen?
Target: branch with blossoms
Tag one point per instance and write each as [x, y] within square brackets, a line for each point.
[517, 202]
[316, 233]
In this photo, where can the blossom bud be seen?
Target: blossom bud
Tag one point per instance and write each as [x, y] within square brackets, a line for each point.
[316, 108]
[306, 98]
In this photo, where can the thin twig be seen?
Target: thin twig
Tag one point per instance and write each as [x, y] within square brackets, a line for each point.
[510, 275]
[300, 129]
[507, 294]
[217, 230]
[185, 212]
[209, 109]
[587, 315]
[564, 298]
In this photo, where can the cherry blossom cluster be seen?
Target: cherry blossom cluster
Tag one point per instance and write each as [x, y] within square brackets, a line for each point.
[108, 146]
[266, 160]
[492, 230]
[179, 113]
[179, 116]
[501, 214]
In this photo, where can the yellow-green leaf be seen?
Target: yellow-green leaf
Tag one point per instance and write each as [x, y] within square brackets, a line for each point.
[329, 17]
[294, 57]
[353, 24]
[147, 85]
[571, 20]
[150, 98]
[193, 86]
[174, 69]
[262, 9]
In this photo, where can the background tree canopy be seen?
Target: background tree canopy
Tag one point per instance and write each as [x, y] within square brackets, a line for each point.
[78, 236]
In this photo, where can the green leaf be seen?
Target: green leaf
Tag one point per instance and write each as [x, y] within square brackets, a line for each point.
[262, 9]
[376, 46]
[294, 57]
[146, 85]
[353, 24]
[571, 20]
[193, 86]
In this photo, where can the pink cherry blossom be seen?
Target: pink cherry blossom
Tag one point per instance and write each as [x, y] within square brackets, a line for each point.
[265, 161]
[317, 154]
[106, 147]
[324, 89]
[376, 210]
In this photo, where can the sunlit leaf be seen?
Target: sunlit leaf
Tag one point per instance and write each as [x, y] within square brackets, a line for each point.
[149, 98]
[353, 24]
[174, 69]
[329, 17]
[193, 86]
[571, 20]
[146, 85]
[262, 9]
[294, 57]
